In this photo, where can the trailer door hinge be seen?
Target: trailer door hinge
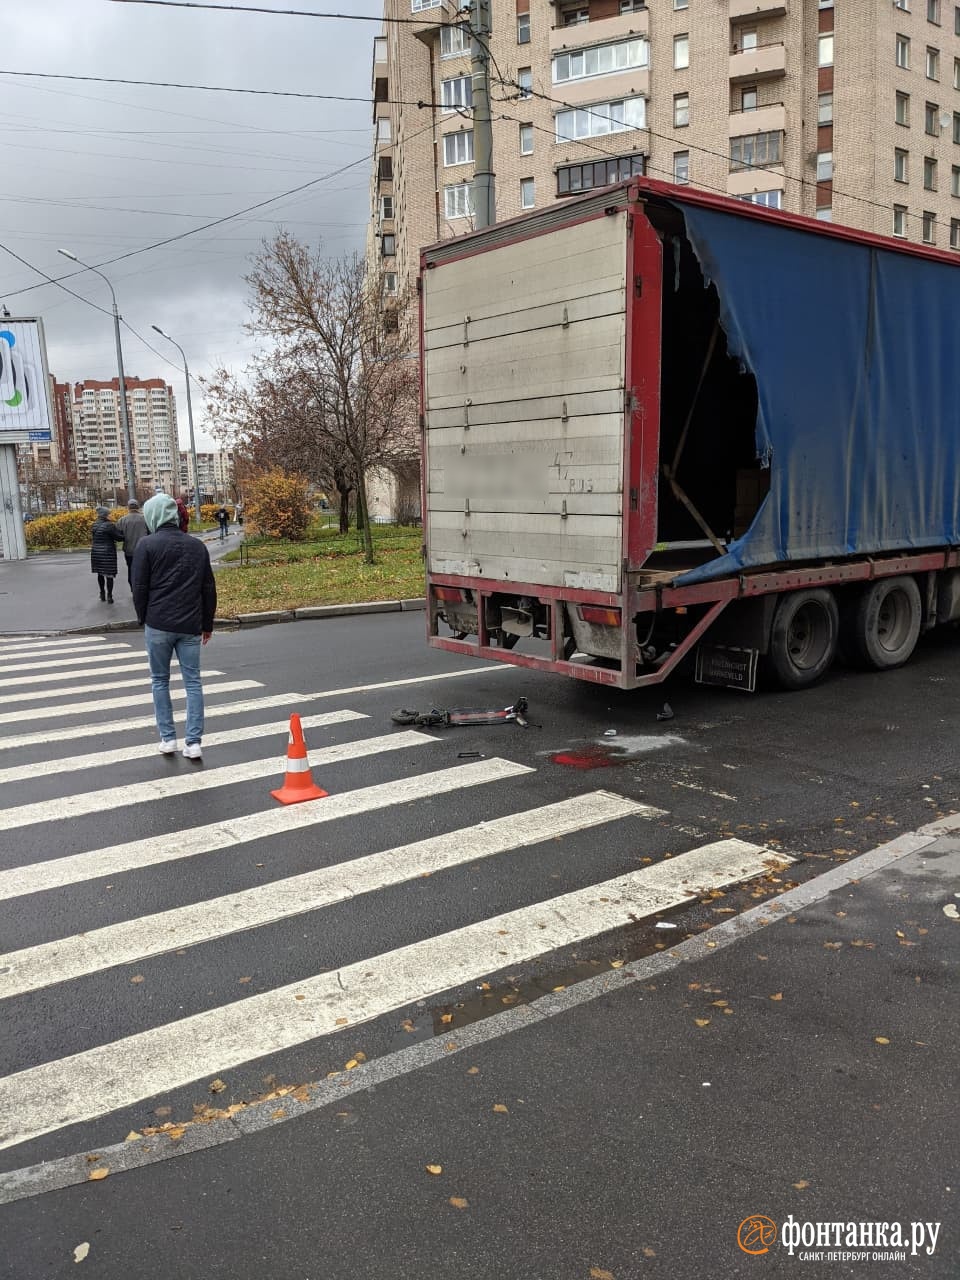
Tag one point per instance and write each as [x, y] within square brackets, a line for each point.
[638, 286]
[634, 500]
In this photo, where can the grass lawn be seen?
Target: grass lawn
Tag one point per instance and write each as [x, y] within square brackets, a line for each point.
[326, 569]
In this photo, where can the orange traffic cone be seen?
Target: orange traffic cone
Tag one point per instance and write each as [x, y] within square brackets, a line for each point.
[298, 784]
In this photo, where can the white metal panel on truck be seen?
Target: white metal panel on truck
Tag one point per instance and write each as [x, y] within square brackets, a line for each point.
[524, 354]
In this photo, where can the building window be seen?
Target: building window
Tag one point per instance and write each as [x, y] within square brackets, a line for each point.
[383, 132]
[929, 227]
[769, 199]
[956, 127]
[523, 28]
[600, 61]
[824, 215]
[418, 5]
[955, 181]
[601, 118]
[902, 4]
[574, 178]
[754, 150]
[458, 147]
[528, 193]
[456, 93]
[955, 233]
[681, 52]
[386, 207]
[746, 41]
[825, 108]
[825, 51]
[956, 20]
[899, 219]
[454, 41]
[933, 11]
[903, 52]
[526, 139]
[824, 166]
[458, 201]
[929, 174]
[681, 110]
[681, 167]
[933, 64]
[680, 4]
[390, 283]
[748, 99]
[931, 123]
[632, 6]
[956, 73]
[525, 81]
[900, 161]
[388, 246]
[573, 17]
[903, 108]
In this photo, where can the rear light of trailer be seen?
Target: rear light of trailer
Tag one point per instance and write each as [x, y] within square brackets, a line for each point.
[453, 594]
[597, 614]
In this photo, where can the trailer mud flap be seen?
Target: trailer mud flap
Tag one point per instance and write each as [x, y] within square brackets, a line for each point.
[728, 667]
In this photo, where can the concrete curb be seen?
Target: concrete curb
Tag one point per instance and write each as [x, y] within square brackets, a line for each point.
[246, 620]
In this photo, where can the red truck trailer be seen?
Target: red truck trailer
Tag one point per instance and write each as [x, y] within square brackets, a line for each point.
[660, 423]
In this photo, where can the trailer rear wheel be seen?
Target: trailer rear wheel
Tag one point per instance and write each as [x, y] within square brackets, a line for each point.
[803, 639]
[885, 624]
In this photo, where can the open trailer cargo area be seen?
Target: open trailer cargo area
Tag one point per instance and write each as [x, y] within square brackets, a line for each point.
[658, 421]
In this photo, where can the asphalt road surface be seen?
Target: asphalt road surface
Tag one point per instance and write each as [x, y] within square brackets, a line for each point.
[320, 1001]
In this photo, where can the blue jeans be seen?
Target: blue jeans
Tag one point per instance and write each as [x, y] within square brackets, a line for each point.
[161, 646]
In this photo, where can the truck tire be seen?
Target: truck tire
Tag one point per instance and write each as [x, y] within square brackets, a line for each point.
[884, 625]
[803, 638]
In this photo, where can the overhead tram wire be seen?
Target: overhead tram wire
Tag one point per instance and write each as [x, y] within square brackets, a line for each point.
[278, 13]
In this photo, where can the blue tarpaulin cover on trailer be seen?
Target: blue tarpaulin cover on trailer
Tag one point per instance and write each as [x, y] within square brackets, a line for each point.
[855, 352]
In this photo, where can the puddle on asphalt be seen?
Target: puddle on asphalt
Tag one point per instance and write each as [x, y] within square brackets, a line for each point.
[608, 753]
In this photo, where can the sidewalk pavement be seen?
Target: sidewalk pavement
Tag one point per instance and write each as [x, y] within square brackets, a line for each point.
[797, 1062]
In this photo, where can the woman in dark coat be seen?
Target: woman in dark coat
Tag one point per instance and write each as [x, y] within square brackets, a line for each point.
[103, 552]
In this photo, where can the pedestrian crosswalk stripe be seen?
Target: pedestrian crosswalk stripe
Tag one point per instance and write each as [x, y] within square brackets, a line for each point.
[141, 751]
[191, 780]
[62, 645]
[186, 926]
[142, 681]
[112, 704]
[90, 655]
[45, 1098]
[58, 873]
[119, 668]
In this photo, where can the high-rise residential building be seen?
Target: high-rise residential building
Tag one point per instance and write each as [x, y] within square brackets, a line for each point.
[846, 111]
[216, 474]
[98, 435]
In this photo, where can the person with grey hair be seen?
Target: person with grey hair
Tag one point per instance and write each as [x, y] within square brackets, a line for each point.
[103, 552]
[175, 597]
[133, 527]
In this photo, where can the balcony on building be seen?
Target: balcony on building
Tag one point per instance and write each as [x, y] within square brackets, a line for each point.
[747, 182]
[769, 119]
[380, 65]
[573, 35]
[762, 62]
[744, 10]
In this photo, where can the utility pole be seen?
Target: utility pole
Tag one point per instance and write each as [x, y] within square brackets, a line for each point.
[484, 182]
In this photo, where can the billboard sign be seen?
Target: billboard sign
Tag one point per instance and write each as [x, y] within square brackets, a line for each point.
[24, 386]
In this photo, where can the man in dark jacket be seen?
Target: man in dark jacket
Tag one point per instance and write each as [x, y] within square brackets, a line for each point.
[176, 598]
[133, 527]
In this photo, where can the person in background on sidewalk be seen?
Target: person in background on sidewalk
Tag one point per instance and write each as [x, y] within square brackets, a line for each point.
[133, 527]
[183, 516]
[103, 552]
[223, 520]
[175, 597]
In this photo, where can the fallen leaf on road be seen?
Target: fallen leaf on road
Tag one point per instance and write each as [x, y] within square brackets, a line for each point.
[598, 1273]
[648, 1252]
[777, 996]
[760, 957]
[137, 977]
[702, 1022]
[300, 996]
[446, 1017]
[559, 988]
[132, 1136]
[349, 1066]
[802, 1184]
[711, 944]
[728, 1011]
[161, 1111]
[832, 946]
[81, 1251]
[342, 1022]
[450, 1046]
[901, 934]
[500, 1108]
[278, 1114]
[459, 1202]
[951, 912]
[243, 980]
[97, 1175]
[510, 999]
[720, 1004]
[473, 1071]
[484, 986]
[434, 1169]
[216, 1086]
[881, 1039]
[693, 986]
[616, 964]
[360, 1056]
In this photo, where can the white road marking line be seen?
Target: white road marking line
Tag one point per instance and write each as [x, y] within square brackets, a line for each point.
[63, 645]
[89, 655]
[142, 722]
[71, 764]
[57, 873]
[85, 953]
[124, 668]
[190, 780]
[85, 1085]
[112, 704]
[142, 681]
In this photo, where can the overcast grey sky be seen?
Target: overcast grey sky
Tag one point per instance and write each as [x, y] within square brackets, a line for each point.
[102, 169]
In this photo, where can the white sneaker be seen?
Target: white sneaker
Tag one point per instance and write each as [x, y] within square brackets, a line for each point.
[192, 750]
[168, 746]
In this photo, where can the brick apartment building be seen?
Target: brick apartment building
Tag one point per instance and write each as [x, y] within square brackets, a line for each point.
[844, 110]
[98, 436]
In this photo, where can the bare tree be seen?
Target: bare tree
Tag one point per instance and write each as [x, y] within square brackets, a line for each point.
[335, 397]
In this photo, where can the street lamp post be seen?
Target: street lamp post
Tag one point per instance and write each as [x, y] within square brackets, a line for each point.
[193, 443]
[124, 416]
